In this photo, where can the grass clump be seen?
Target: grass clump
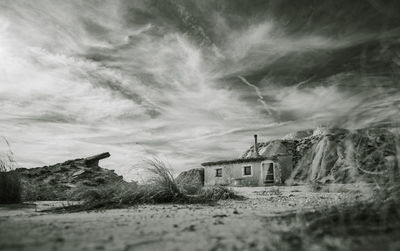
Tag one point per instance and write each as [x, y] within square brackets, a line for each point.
[215, 193]
[10, 184]
[369, 223]
[361, 225]
[10, 188]
[162, 188]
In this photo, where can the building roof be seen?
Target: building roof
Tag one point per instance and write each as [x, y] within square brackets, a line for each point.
[233, 161]
[271, 148]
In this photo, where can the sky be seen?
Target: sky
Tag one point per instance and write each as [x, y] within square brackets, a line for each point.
[189, 81]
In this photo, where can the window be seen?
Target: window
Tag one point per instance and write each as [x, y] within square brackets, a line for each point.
[218, 172]
[247, 170]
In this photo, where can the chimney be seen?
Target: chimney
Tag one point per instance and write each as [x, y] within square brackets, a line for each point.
[255, 146]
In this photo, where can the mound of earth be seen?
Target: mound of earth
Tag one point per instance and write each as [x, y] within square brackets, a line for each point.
[64, 181]
[191, 180]
[335, 154]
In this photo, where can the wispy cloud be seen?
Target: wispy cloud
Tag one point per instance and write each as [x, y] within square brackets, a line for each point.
[145, 78]
[258, 93]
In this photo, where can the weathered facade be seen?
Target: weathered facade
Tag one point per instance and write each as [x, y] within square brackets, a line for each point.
[271, 167]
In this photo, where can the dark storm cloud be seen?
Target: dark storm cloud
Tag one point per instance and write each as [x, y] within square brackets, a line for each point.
[190, 80]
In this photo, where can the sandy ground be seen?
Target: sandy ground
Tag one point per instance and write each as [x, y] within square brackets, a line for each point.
[228, 225]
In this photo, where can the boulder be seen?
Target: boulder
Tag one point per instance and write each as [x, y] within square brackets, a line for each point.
[192, 180]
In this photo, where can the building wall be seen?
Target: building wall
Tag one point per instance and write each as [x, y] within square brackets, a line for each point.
[232, 174]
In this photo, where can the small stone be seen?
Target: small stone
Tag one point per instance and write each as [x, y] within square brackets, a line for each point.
[220, 216]
[190, 228]
[219, 222]
[59, 239]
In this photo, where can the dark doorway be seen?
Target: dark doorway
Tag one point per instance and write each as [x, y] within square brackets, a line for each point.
[269, 178]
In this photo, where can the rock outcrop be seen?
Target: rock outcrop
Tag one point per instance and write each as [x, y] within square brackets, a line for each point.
[65, 180]
[336, 155]
[191, 180]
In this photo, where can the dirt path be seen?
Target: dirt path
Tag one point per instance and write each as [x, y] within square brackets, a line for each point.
[232, 225]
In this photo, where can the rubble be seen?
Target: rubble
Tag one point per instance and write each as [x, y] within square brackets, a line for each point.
[63, 181]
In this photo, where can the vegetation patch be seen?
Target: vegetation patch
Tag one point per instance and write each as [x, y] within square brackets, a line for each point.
[10, 184]
[10, 188]
[361, 225]
[161, 189]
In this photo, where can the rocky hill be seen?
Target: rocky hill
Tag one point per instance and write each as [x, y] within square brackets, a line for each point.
[65, 180]
[336, 155]
[326, 155]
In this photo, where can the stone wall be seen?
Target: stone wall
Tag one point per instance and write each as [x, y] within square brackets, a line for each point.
[232, 172]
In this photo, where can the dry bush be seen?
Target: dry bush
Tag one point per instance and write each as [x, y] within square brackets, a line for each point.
[192, 189]
[359, 225]
[110, 196]
[10, 188]
[363, 225]
[162, 188]
[366, 224]
[215, 193]
[164, 183]
[10, 184]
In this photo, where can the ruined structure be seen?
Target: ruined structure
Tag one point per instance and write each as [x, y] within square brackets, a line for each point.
[64, 181]
[271, 166]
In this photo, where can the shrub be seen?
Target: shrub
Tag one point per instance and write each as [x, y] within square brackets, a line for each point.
[346, 226]
[110, 196]
[10, 188]
[215, 193]
[163, 182]
[162, 188]
[10, 185]
[192, 189]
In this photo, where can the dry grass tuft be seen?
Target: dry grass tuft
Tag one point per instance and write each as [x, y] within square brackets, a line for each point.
[10, 184]
[10, 188]
[360, 225]
[162, 188]
[215, 193]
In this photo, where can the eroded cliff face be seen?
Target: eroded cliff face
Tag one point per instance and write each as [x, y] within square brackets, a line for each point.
[65, 180]
[336, 155]
[339, 155]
